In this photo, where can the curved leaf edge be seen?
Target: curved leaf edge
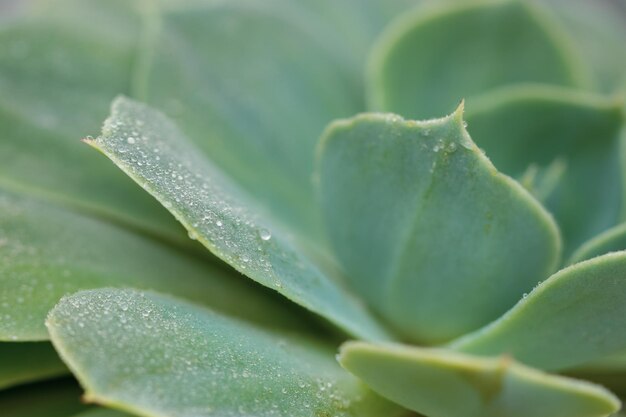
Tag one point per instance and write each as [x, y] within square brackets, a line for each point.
[397, 29]
[454, 360]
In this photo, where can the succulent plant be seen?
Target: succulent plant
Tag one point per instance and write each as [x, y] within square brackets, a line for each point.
[389, 208]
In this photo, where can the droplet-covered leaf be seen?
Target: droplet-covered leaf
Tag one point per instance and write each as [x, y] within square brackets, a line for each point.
[215, 210]
[427, 230]
[47, 251]
[182, 360]
[441, 383]
[575, 316]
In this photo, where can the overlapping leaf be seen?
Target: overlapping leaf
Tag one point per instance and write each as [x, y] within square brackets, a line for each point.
[182, 360]
[423, 224]
[427, 62]
[57, 80]
[544, 125]
[441, 383]
[151, 150]
[47, 251]
[575, 316]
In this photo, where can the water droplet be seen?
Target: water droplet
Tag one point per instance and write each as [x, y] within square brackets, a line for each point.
[265, 234]
[130, 140]
[451, 147]
[219, 223]
[193, 235]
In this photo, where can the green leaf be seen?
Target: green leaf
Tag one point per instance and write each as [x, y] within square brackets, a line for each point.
[27, 362]
[102, 412]
[155, 153]
[612, 240]
[609, 371]
[428, 61]
[257, 100]
[423, 224]
[577, 315]
[599, 30]
[544, 124]
[183, 360]
[58, 398]
[47, 251]
[57, 79]
[440, 383]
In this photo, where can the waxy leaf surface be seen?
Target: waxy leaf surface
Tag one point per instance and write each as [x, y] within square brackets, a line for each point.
[442, 383]
[575, 316]
[426, 62]
[545, 125]
[613, 240]
[154, 152]
[422, 223]
[47, 251]
[183, 360]
[57, 79]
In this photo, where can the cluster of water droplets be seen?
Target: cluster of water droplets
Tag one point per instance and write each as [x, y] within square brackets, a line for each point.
[179, 359]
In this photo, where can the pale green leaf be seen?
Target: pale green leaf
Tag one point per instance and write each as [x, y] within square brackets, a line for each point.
[27, 362]
[575, 316]
[47, 251]
[423, 224]
[599, 30]
[539, 124]
[57, 80]
[429, 60]
[182, 360]
[155, 153]
[57, 398]
[257, 100]
[609, 371]
[612, 240]
[440, 383]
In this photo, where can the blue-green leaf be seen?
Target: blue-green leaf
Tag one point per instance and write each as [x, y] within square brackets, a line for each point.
[47, 251]
[155, 153]
[426, 228]
[544, 125]
[182, 360]
[575, 316]
[428, 61]
[612, 240]
[441, 383]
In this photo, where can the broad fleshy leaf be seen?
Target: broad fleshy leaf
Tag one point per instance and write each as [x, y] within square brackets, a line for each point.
[47, 251]
[440, 383]
[609, 371]
[423, 223]
[57, 398]
[182, 360]
[155, 153]
[27, 362]
[544, 125]
[257, 100]
[599, 30]
[426, 62]
[57, 80]
[613, 240]
[575, 316]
